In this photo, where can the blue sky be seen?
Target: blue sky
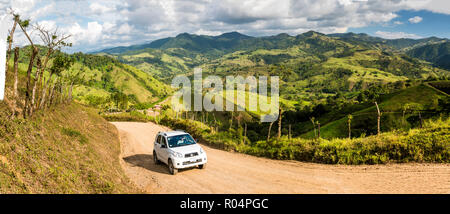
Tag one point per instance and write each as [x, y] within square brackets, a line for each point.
[431, 24]
[98, 24]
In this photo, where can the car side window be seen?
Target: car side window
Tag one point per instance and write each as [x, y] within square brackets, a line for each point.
[158, 139]
[164, 141]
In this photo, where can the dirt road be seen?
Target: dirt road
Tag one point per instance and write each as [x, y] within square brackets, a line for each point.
[238, 173]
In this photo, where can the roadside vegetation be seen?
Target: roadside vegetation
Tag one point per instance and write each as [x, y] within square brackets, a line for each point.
[48, 143]
[65, 149]
[427, 144]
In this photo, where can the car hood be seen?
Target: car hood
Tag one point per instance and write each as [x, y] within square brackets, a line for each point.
[187, 149]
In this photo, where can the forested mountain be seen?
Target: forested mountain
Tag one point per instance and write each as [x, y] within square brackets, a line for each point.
[396, 44]
[322, 76]
[438, 54]
[305, 55]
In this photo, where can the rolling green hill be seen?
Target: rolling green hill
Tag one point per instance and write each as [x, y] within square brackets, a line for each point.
[397, 44]
[307, 58]
[104, 77]
[68, 148]
[364, 122]
[322, 76]
[438, 54]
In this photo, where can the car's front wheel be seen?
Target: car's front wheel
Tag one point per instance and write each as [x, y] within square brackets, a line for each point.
[172, 168]
[202, 166]
[155, 158]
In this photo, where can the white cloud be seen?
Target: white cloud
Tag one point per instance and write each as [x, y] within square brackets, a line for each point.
[436, 6]
[396, 35]
[100, 8]
[99, 23]
[415, 19]
[90, 34]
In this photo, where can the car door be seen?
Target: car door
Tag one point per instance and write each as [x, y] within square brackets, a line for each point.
[158, 146]
[164, 149]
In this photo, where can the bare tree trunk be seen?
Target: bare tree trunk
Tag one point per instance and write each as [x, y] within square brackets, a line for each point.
[279, 123]
[318, 126]
[349, 131]
[231, 120]
[420, 118]
[378, 119]
[314, 126]
[43, 96]
[51, 93]
[42, 85]
[268, 133]
[290, 133]
[27, 110]
[38, 71]
[70, 94]
[10, 41]
[245, 131]
[16, 75]
[61, 93]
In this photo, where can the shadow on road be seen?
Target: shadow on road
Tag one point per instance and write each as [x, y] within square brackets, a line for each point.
[146, 161]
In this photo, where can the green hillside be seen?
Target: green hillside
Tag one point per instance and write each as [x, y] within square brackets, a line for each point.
[103, 78]
[66, 148]
[401, 44]
[322, 76]
[438, 54]
[310, 57]
[364, 122]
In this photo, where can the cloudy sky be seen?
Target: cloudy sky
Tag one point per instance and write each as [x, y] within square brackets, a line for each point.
[99, 24]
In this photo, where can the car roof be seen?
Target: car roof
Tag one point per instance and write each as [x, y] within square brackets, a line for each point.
[172, 133]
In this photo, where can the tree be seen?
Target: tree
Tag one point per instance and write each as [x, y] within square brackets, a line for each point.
[245, 131]
[16, 79]
[60, 63]
[314, 125]
[318, 129]
[74, 78]
[279, 122]
[378, 119]
[38, 71]
[415, 108]
[290, 135]
[54, 41]
[268, 133]
[11, 38]
[28, 108]
[34, 51]
[350, 117]
[231, 119]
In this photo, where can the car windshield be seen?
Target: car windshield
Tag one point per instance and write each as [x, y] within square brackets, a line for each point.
[180, 140]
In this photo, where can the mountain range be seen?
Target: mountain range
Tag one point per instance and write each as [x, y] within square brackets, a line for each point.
[322, 76]
[234, 41]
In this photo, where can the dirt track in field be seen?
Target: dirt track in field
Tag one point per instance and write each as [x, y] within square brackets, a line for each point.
[238, 173]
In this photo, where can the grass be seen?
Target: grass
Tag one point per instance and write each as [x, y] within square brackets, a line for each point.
[67, 149]
[392, 105]
[428, 144]
[127, 79]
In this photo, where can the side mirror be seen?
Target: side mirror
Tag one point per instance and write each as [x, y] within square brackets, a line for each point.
[163, 146]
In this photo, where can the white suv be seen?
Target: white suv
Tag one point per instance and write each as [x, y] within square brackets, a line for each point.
[178, 150]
